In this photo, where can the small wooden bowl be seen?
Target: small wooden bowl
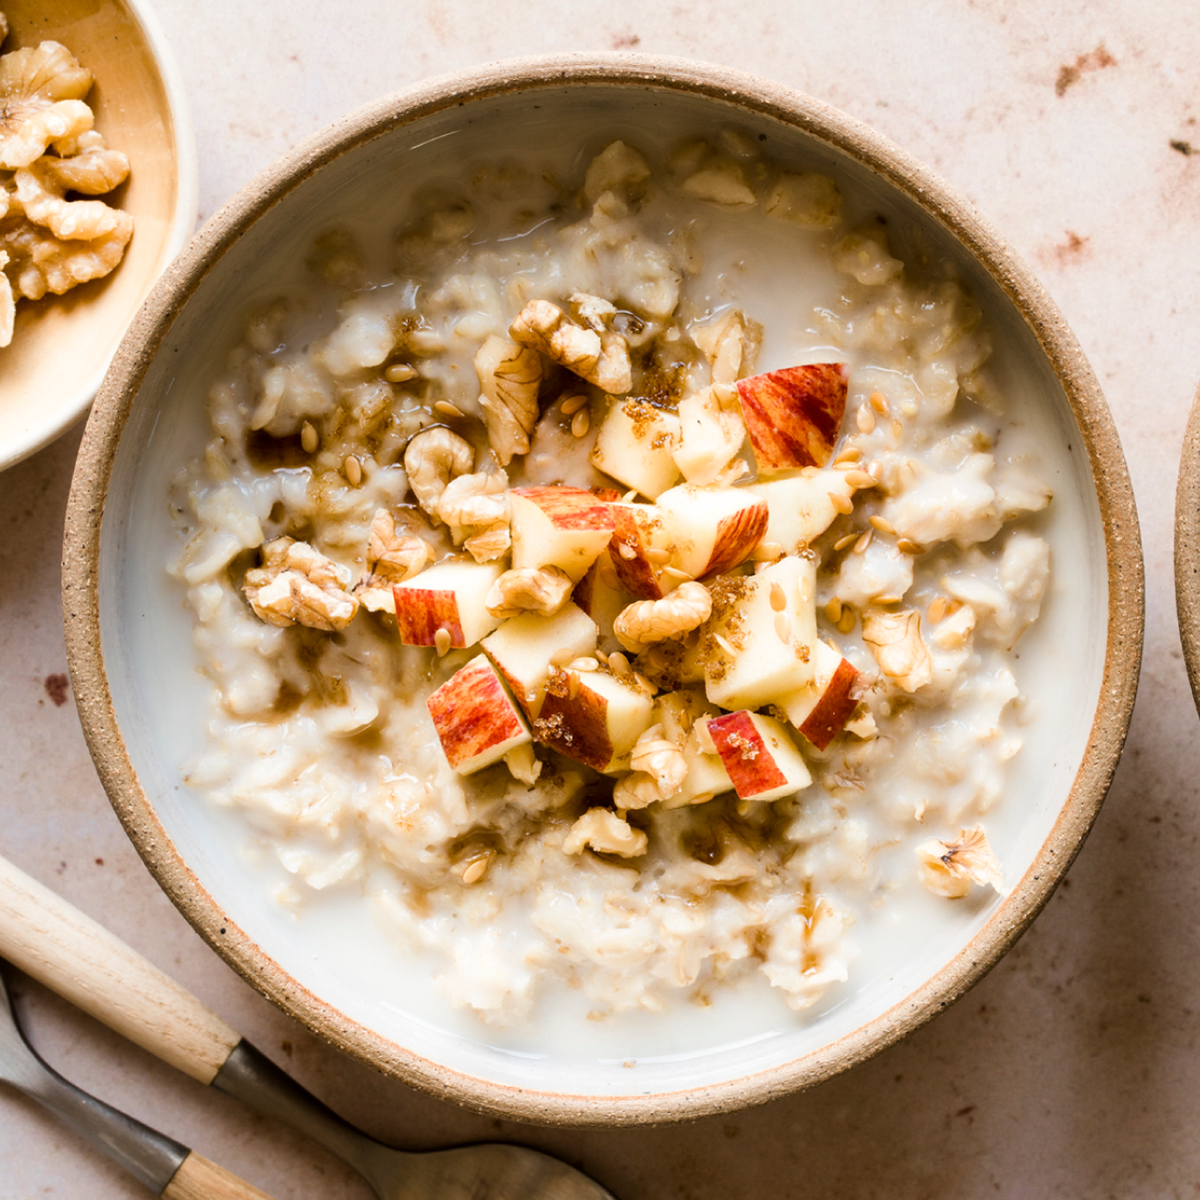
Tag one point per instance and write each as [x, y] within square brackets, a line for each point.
[128, 639]
[63, 344]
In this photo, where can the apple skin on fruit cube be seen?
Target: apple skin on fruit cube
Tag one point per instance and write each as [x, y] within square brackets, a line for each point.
[564, 527]
[522, 647]
[712, 530]
[593, 717]
[475, 718]
[762, 760]
[639, 528]
[634, 446]
[821, 710]
[450, 596]
[793, 415]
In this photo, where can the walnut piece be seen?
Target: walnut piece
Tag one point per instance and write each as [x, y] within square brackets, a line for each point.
[432, 458]
[895, 640]
[730, 344]
[542, 590]
[393, 555]
[509, 376]
[41, 94]
[601, 357]
[950, 868]
[41, 191]
[297, 585]
[605, 832]
[659, 759]
[648, 621]
[475, 507]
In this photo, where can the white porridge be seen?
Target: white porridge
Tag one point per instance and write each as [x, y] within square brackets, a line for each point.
[593, 623]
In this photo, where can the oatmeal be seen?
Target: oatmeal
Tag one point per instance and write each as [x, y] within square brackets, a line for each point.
[598, 632]
[52, 239]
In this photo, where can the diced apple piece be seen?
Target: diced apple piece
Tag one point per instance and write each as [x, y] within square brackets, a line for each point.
[641, 547]
[634, 446]
[600, 594]
[522, 647]
[712, 530]
[593, 717]
[821, 710]
[801, 507]
[793, 415]
[762, 760]
[450, 596]
[711, 432]
[476, 719]
[561, 527]
[759, 644]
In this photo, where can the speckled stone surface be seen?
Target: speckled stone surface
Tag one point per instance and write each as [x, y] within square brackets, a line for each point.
[1072, 1070]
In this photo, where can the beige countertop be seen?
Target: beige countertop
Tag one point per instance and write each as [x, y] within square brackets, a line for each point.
[1072, 1069]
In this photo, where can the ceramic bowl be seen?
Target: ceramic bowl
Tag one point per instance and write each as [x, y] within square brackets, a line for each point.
[1187, 548]
[63, 344]
[129, 639]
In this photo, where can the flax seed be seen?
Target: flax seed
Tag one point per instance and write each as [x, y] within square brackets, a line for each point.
[778, 598]
[725, 645]
[449, 410]
[658, 556]
[849, 455]
[865, 419]
[573, 685]
[441, 641]
[580, 422]
[860, 480]
[475, 871]
[783, 627]
[572, 404]
[937, 609]
[618, 664]
[676, 573]
[879, 403]
[308, 437]
[882, 524]
[833, 611]
[400, 373]
[353, 470]
[846, 621]
[863, 542]
[843, 542]
[905, 546]
[584, 664]
[843, 504]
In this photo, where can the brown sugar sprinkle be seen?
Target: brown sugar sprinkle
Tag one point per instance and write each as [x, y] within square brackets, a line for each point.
[865, 419]
[882, 524]
[353, 470]
[400, 373]
[777, 597]
[905, 546]
[843, 504]
[658, 556]
[879, 402]
[586, 663]
[849, 455]
[937, 609]
[864, 541]
[843, 542]
[572, 404]
[448, 410]
[441, 641]
[580, 423]
[783, 627]
[833, 611]
[846, 621]
[308, 437]
[861, 480]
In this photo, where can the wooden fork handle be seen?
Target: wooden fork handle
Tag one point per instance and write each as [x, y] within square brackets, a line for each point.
[199, 1179]
[57, 945]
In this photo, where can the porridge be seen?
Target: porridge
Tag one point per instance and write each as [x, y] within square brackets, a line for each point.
[52, 239]
[593, 627]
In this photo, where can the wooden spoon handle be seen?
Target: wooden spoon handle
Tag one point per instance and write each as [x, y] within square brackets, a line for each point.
[199, 1179]
[55, 943]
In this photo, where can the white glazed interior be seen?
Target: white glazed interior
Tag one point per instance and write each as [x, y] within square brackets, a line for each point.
[159, 702]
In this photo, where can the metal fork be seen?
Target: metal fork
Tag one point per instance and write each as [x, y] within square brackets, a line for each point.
[165, 1166]
[85, 964]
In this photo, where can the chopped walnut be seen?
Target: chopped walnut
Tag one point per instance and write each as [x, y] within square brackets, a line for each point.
[510, 376]
[432, 458]
[392, 557]
[542, 590]
[41, 191]
[475, 507]
[297, 585]
[601, 357]
[731, 345]
[92, 171]
[648, 621]
[895, 640]
[41, 101]
[661, 758]
[606, 833]
[950, 868]
[41, 263]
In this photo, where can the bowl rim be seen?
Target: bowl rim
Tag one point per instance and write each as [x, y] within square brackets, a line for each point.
[759, 97]
[1187, 548]
[183, 221]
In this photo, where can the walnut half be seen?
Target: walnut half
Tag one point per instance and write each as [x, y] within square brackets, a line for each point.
[297, 585]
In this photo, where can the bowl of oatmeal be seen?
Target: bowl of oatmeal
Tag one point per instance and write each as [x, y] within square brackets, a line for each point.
[604, 589]
[97, 194]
